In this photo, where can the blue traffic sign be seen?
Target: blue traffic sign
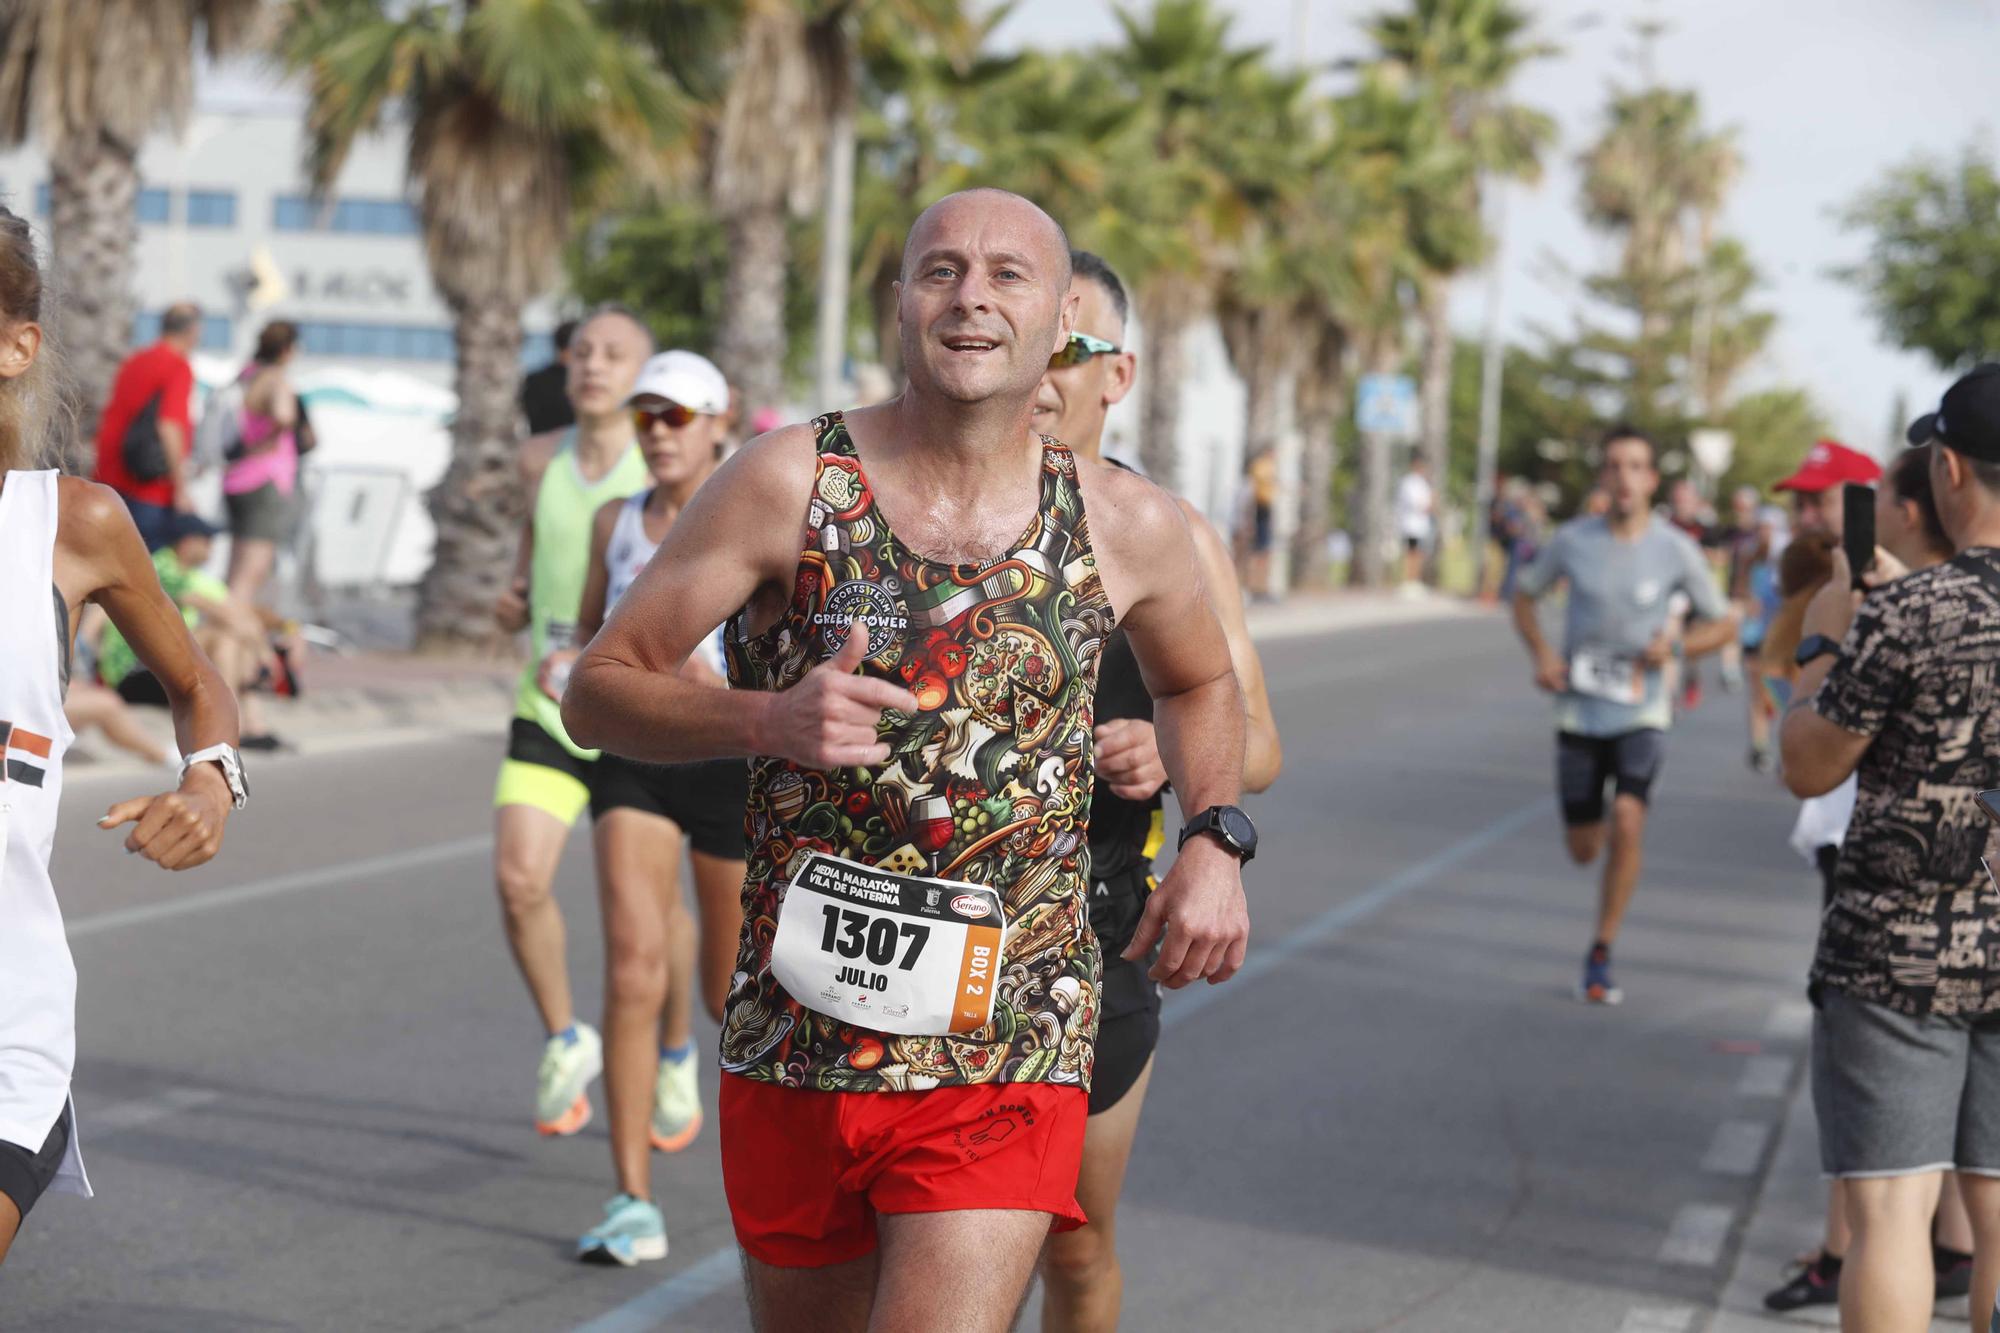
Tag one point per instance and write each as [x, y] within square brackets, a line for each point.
[1386, 405]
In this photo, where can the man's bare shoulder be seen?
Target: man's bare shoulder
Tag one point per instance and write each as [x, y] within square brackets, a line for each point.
[771, 469]
[1126, 509]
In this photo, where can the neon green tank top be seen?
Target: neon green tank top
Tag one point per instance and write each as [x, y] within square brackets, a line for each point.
[564, 508]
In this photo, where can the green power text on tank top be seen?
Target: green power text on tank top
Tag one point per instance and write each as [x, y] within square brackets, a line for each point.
[565, 507]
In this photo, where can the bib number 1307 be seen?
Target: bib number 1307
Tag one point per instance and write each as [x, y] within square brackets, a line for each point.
[895, 953]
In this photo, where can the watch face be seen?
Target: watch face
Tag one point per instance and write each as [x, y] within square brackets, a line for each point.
[1236, 826]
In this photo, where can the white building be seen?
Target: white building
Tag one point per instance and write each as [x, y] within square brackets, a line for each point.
[230, 195]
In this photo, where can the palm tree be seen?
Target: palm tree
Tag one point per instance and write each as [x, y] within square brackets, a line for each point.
[518, 112]
[91, 79]
[1179, 208]
[792, 87]
[1392, 155]
[915, 93]
[1463, 54]
[1278, 147]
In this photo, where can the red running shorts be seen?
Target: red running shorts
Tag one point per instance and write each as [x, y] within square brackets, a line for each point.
[806, 1172]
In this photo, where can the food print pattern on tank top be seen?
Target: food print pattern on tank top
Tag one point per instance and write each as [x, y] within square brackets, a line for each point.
[626, 555]
[1003, 660]
[37, 976]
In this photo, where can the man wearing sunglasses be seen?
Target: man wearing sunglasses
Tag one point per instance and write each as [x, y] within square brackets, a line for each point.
[918, 594]
[1082, 1281]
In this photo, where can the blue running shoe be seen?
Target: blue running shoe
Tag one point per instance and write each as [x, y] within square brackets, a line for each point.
[1596, 986]
[632, 1232]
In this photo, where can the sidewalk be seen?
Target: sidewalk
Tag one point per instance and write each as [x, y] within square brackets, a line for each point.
[1789, 1215]
[380, 698]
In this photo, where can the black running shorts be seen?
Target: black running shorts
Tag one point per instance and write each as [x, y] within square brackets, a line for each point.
[25, 1175]
[706, 799]
[1585, 764]
[1128, 1024]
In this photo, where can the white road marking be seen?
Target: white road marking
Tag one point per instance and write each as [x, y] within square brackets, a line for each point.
[1791, 1018]
[1658, 1319]
[1765, 1076]
[345, 872]
[1737, 1148]
[143, 1111]
[1697, 1234]
[649, 1310]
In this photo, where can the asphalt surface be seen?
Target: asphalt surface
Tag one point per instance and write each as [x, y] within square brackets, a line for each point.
[306, 1071]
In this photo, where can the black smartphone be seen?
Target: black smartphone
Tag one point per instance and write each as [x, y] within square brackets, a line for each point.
[1989, 801]
[1857, 528]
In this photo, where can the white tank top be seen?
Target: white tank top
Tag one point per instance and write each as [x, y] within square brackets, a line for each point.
[37, 978]
[627, 553]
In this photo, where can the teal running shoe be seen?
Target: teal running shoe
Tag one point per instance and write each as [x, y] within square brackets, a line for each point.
[632, 1232]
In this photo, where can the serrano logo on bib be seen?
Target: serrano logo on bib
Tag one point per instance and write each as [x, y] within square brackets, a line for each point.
[873, 605]
[968, 906]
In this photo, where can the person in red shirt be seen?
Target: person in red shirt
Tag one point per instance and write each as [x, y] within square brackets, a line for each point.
[161, 371]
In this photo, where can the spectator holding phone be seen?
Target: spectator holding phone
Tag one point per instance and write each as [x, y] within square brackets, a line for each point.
[1902, 689]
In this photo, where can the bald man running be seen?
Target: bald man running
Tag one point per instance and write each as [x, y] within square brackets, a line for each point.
[908, 1043]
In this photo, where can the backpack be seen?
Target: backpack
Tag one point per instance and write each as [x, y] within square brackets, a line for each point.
[144, 451]
[218, 441]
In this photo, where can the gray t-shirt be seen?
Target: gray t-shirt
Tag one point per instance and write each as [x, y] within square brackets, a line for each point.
[1619, 600]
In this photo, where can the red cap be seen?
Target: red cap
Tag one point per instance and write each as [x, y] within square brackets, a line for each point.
[1828, 465]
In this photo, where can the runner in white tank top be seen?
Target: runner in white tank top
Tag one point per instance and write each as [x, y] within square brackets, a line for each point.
[62, 543]
[65, 542]
[644, 814]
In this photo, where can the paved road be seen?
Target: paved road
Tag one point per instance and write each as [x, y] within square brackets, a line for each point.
[305, 1071]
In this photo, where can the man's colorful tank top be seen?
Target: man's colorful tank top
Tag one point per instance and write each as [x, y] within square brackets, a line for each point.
[1003, 660]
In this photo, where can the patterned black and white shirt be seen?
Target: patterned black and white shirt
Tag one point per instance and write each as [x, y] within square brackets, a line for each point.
[1915, 920]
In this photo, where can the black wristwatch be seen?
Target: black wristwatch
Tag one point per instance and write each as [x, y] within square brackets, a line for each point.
[1231, 827]
[1815, 646]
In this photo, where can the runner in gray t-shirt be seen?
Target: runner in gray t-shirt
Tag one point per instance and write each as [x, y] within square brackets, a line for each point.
[1612, 711]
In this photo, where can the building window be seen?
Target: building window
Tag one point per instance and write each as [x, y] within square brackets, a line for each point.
[217, 331]
[363, 217]
[153, 206]
[211, 208]
[389, 342]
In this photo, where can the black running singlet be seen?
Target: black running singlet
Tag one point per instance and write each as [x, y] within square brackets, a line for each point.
[1124, 835]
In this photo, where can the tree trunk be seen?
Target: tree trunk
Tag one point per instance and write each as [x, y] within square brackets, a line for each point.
[836, 267]
[1372, 519]
[1434, 399]
[1321, 396]
[478, 506]
[93, 193]
[1164, 313]
[750, 346]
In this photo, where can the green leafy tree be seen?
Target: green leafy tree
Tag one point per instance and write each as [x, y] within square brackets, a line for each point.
[1464, 54]
[1932, 276]
[91, 79]
[519, 112]
[793, 82]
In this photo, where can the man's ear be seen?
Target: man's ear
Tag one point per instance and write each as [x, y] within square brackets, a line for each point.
[1124, 369]
[1066, 320]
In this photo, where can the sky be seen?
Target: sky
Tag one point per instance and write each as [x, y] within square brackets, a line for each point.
[1824, 95]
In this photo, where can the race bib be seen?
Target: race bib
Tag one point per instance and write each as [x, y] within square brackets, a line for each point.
[893, 952]
[1607, 676]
